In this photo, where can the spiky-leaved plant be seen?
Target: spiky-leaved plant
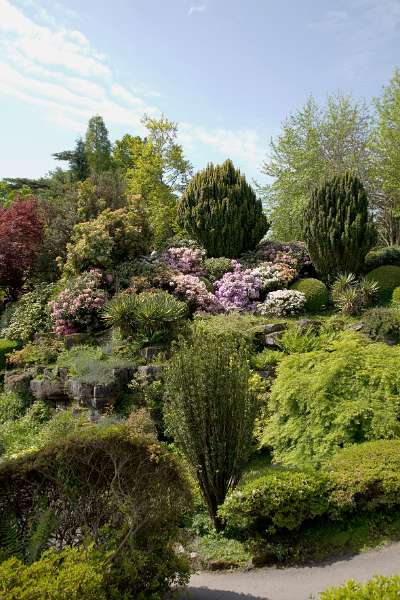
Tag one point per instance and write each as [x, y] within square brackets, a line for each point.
[220, 210]
[337, 228]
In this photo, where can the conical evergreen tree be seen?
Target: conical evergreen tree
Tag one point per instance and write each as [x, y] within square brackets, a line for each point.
[97, 146]
[78, 163]
[220, 210]
[337, 228]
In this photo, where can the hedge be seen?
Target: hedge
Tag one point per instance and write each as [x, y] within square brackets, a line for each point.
[388, 278]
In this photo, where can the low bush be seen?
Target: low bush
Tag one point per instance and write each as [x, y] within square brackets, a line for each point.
[11, 406]
[31, 314]
[326, 399]
[238, 290]
[72, 574]
[351, 296]
[217, 267]
[389, 255]
[396, 297]
[36, 353]
[247, 326]
[106, 486]
[315, 291]
[266, 359]
[6, 348]
[282, 303]
[387, 278]
[150, 316]
[382, 323]
[377, 588]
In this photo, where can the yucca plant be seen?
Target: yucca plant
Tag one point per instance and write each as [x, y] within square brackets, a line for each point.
[149, 316]
[350, 295]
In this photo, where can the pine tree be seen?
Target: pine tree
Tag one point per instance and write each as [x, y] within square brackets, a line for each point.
[220, 209]
[77, 160]
[337, 228]
[97, 146]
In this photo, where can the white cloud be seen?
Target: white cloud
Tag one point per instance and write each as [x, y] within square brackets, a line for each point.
[199, 8]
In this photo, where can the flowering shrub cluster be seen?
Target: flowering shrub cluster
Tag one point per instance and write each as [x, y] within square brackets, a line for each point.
[283, 303]
[77, 307]
[185, 260]
[274, 275]
[238, 290]
[195, 293]
[294, 255]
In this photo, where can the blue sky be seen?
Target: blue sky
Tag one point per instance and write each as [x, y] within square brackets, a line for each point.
[228, 71]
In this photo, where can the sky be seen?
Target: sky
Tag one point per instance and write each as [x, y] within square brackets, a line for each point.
[227, 71]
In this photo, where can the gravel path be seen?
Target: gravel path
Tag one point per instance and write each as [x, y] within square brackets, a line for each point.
[293, 583]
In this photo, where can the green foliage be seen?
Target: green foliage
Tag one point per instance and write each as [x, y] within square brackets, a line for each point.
[314, 142]
[297, 340]
[72, 574]
[91, 365]
[389, 255]
[209, 397]
[326, 399]
[337, 228]
[11, 406]
[266, 359]
[351, 296]
[277, 500]
[248, 326]
[217, 267]
[151, 316]
[216, 549]
[387, 278]
[382, 323]
[221, 211]
[113, 236]
[41, 352]
[20, 435]
[97, 146]
[6, 347]
[134, 488]
[315, 291]
[396, 297]
[30, 314]
[377, 588]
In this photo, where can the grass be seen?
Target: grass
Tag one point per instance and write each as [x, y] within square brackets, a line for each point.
[216, 552]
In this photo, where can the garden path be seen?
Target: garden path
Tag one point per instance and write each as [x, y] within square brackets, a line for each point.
[293, 583]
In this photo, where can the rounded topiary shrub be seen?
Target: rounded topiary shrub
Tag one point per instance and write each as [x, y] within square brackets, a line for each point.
[315, 291]
[396, 297]
[388, 278]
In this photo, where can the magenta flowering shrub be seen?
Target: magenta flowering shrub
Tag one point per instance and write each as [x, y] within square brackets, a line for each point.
[238, 290]
[186, 260]
[294, 254]
[77, 308]
[194, 292]
[274, 275]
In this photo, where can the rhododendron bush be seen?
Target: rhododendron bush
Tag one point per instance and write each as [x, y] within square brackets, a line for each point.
[186, 260]
[77, 308]
[282, 303]
[195, 293]
[238, 290]
[294, 254]
[274, 275]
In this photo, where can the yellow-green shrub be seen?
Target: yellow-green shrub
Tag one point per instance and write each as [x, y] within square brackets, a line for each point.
[378, 588]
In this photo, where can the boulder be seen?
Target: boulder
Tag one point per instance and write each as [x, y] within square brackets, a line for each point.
[308, 324]
[18, 381]
[149, 373]
[50, 390]
[271, 339]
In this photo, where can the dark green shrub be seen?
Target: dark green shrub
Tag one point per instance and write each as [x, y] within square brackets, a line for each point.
[315, 291]
[337, 228]
[151, 316]
[220, 209]
[326, 399]
[377, 588]
[71, 574]
[382, 323]
[217, 267]
[210, 410]
[6, 347]
[30, 314]
[366, 477]
[107, 486]
[389, 255]
[396, 297]
[387, 278]
[279, 500]
[11, 406]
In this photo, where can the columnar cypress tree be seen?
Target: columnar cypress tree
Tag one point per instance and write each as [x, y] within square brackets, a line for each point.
[220, 209]
[337, 228]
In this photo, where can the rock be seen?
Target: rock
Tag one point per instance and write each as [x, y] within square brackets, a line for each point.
[274, 327]
[51, 390]
[76, 339]
[19, 381]
[266, 374]
[150, 352]
[308, 324]
[390, 341]
[100, 395]
[271, 339]
[149, 373]
[355, 326]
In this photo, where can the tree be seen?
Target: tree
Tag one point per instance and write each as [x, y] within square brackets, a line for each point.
[157, 170]
[337, 228]
[314, 143]
[97, 146]
[21, 233]
[210, 411]
[77, 160]
[386, 146]
[220, 209]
